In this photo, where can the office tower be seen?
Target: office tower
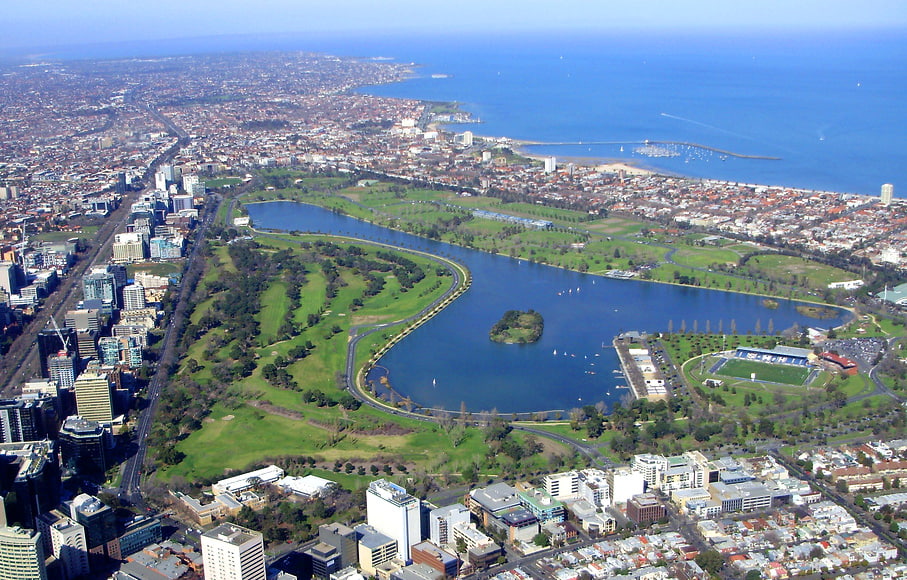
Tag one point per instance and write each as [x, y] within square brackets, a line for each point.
[83, 319]
[93, 397]
[100, 523]
[160, 181]
[9, 278]
[50, 344]
[87, 345]
[120, 350]
[82, 445]
[887, 193]
[21, 420]
[31, 471]
[395, 513]
[182, 202]
[62, 368]
[65, 539]
[21, 555]
[231, 552]
[343, 539]
[442, 521]
[139, 533]
[129, 247]
[99, 284]
[133, 297]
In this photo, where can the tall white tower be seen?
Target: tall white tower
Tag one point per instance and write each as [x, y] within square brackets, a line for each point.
[394, 513]
[231, 552]
[887, 193]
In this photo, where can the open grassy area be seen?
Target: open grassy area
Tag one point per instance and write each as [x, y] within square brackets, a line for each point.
[745, 369]
[255, 418]
[812, 274]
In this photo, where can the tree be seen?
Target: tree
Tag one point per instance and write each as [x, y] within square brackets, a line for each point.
[711, 561]
[541, 540]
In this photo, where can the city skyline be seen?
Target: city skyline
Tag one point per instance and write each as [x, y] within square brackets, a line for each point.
[60, 23]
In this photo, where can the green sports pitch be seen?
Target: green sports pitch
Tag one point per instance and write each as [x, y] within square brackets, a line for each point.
[784, 374]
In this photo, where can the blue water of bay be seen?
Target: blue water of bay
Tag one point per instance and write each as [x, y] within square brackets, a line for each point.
[829, 106]
[450, 360]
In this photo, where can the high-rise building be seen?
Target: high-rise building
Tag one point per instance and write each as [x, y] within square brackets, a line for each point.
[21, 555]
[99, 284]
[550, 164]
[231, 552]
[133, 297]
[65, 539]
[83, 319]
[441, 522]
[31, 471]
[87, 345]
[182, 202]
[116, 350]
[100, 524]
[62, 368]
[395, 513]
[21, 420]
[344, 539]
[50, 344]
[9, 278]
[887, 193]
[94, 400]
[129, 247]
[83, 445]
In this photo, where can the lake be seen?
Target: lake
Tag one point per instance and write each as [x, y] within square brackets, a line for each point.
[450, 360]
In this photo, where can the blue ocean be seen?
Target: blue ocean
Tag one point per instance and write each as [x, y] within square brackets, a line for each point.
[828, 107]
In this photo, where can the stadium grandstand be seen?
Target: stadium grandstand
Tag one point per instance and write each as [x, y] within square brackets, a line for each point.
[845, 364]
[785, 355]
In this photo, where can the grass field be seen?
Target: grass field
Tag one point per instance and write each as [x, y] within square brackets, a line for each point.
[743, 369]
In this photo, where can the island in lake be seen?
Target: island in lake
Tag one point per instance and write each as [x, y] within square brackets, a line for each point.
[518, 327]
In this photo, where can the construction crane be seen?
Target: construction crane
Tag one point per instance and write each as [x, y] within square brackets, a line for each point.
[63, 340]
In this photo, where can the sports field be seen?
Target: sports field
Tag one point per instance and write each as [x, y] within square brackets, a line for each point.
[743, 369]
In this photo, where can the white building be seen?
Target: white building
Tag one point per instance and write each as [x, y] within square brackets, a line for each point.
[887, 193]
[231, 552]
[625, 483]
[394, 513]
[65, 539]
[244, 481]
[441, 522]
[562, 486]
[308, 486]
[21, 554]
[550, 164]
[133, 297]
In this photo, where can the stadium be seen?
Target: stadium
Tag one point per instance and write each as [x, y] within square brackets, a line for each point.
[781, 365]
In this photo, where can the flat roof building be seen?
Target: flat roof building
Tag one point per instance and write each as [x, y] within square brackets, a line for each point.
[232, 552]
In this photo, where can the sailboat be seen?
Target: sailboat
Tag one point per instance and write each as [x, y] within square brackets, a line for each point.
[555, 352]
[434, 382]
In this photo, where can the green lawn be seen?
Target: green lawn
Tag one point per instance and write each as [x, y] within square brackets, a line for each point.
[784, 374]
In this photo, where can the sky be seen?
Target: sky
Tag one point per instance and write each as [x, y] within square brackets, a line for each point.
[43, 23]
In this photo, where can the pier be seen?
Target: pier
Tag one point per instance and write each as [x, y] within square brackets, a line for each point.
[649, 142]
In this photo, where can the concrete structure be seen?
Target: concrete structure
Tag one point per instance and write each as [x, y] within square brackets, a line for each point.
[21, 555]
[625, 483]
[100, 284]
[94, 400]
[395, 513]
[129, 247]
[542, 505]
[436, 558]
[343, 539]
[375, 548]
[100, 524]
[887, 194]
[133, 297]
[22, 420]
[231, 552]
[31, 471]
[562, 486]
[83, 319]
[324, 558]
[441, 522]
[82, 444]
[65, 539]
[645, 508]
